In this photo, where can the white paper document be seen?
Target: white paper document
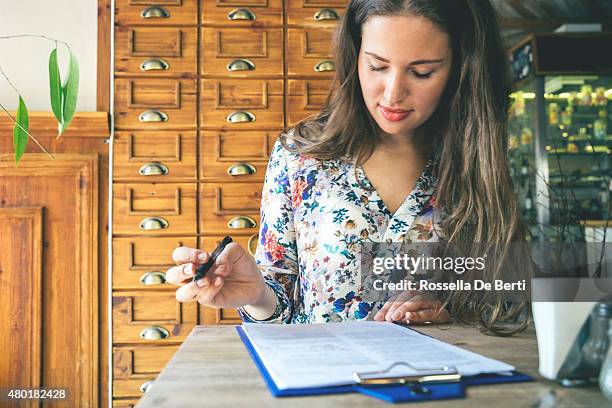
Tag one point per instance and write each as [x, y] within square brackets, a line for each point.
[327, 354]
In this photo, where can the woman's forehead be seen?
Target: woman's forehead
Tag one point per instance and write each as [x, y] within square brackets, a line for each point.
[404, 37]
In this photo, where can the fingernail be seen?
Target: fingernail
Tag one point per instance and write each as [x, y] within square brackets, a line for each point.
[201, 283]
[218, 281]
[202, 257]
[397, 315]
[188, 270]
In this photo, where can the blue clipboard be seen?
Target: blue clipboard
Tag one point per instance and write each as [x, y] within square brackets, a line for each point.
[389, 393]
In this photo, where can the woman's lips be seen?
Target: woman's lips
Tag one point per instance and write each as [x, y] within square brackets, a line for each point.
[393, 115]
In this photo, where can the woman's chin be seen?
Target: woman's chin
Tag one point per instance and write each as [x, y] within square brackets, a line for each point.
[395, 127]
[395, 130]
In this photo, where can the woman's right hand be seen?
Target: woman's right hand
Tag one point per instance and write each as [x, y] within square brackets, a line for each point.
[233, 281]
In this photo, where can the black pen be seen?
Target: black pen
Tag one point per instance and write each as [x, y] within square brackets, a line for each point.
[205, 267]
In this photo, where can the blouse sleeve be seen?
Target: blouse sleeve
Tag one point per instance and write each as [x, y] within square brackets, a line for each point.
[276, 254]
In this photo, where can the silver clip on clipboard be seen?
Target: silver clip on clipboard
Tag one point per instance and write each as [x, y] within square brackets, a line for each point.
[426, 375]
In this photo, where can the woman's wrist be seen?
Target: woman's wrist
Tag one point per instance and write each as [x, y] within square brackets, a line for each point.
[262, 299]
[265, 306]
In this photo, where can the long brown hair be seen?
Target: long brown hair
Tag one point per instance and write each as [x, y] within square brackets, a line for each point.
[468, 130]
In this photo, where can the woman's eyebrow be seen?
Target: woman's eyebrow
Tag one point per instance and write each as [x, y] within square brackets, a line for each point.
[417, 62]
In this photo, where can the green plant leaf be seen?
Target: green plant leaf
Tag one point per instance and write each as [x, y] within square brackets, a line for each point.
[55, 86]
[20, 137]
[60, 124]
[70, 90]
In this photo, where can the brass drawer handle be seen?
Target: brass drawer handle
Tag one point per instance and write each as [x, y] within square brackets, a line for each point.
[241, 65]
[326, 14]
[252, 244]
[325, 66]
[241, 14]
[154, 333]
[241, 222]
[156, 64]
[153, 116]
[153, 223]
[153, 169]
[240, 117]
[153, 278]
[155, 12]
[241, 169]
[145, 387]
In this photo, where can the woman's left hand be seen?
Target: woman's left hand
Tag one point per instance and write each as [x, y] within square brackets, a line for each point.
[415, 310]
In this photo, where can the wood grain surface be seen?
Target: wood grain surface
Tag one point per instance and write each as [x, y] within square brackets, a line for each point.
[66, 189]
[212, 368]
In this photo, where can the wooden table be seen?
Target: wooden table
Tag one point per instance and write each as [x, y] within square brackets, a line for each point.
[212, 368]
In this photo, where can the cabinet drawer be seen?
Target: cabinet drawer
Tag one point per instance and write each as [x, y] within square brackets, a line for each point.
[240, 155]
[154, 208]
[158, 104]
[156, 12]
[210, 315]
[155, 51]
[125, 403]
[134, 388]
[154, 156]
[140, 361]
[225, 51]
[242, 13]
[230, 208]
[306, 98]
[248, 242]
[152, 317]
[242, 104]
[320, 13]
[142, 262]
[309, 52]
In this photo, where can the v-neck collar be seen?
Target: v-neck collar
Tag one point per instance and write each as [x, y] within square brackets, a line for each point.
[413, 205]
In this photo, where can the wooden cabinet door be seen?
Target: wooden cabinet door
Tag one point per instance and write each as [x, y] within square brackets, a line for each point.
[147, 156]
[315, 13]
[230, 208]
[67, 189]
[153, 317]
[140, 263]
[309, 52]
[156, 51]
[225, 53]
[154, 209]
[241, 104]
[155, 103]
[156, 12]
[306, 97]
[21, 300]
[235, 155]
[242, 13]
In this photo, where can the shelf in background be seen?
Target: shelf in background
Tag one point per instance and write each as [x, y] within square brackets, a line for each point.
[597, 223]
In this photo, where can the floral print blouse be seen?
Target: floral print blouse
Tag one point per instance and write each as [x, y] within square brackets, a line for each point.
[315, 215]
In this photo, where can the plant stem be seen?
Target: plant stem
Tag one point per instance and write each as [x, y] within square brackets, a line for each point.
[8, 37]
[25, 130]
[35, 35]
[8, 80]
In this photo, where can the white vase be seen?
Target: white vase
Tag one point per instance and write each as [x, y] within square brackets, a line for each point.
[557, 325]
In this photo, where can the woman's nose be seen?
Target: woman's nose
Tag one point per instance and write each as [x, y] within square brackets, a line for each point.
[395, 89]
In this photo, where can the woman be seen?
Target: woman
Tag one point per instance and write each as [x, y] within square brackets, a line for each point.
[411, 146]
